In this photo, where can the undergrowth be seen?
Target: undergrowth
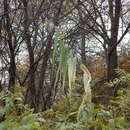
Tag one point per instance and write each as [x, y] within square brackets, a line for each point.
[14, 115]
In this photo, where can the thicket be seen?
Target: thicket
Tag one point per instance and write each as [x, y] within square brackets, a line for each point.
[75, 111]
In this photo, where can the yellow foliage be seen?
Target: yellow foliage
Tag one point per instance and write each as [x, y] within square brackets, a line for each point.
[67, 3]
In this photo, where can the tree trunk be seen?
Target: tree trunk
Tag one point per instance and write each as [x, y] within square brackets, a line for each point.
[83, 53]
[112, 49]
[12, 73]
[12, 65]
[31, 92]
[40, 92]
[112, 64]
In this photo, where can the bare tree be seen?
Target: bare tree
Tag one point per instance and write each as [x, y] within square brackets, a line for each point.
[103, 22]
[9, 37]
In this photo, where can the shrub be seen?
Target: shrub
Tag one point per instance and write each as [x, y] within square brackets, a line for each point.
[14, 115]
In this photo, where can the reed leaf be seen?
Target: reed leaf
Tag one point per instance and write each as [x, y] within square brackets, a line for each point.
[71, 70]
[87, 95]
